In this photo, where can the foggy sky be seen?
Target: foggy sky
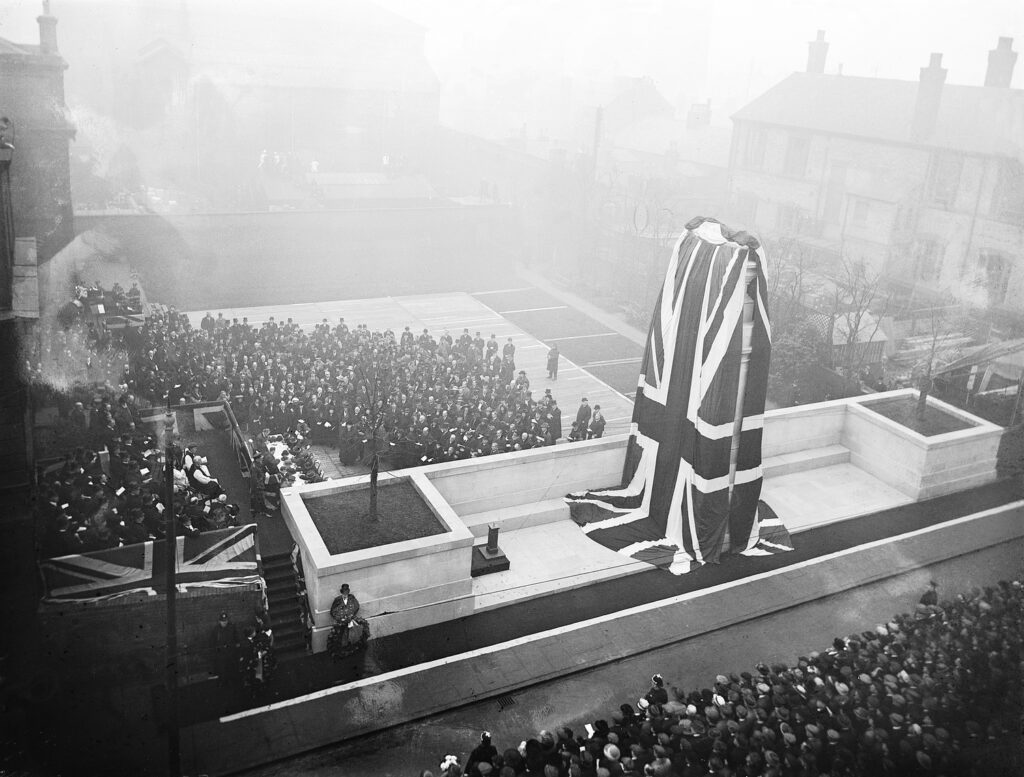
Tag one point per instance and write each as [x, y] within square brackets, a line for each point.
[726, 50]
[751, 44]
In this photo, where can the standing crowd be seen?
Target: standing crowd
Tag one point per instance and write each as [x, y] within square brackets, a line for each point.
[934, 692]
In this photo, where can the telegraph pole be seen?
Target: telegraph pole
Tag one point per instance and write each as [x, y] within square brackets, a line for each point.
[171, 548]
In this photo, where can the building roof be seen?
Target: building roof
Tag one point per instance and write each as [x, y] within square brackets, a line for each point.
[10, 47]
[1006, 359]
[975, 119]
[706, 146]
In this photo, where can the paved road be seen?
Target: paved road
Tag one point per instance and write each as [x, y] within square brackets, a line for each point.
[583, 340]
[594, 694]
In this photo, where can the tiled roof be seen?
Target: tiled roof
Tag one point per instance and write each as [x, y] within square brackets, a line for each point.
[978, 119]
[10, 47]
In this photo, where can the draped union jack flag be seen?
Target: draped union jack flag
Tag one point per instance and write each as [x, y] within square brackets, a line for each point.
[681, 491]
[222, 558]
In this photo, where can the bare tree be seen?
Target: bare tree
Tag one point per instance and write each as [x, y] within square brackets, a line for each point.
[377, 388]
[857, 303]
[945, 329]
[790, 281]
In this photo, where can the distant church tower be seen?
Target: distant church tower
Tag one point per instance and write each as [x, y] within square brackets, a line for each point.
[32, 99]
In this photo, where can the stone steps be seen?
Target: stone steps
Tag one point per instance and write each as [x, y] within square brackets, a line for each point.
[521, 516]
[529, 514]
[800, 461]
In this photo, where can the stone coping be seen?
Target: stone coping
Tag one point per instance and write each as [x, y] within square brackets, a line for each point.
[456, 533]
[860, 406]
[979, 426]
[552, 453]
[1006, 516]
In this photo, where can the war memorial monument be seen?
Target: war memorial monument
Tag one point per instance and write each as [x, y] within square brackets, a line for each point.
[705, 475]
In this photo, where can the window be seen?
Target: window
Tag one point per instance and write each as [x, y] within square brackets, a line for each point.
[1008, 201]
[792, 219]
[785, 218]
[798, 148]
[944, 179]
[928, 257]
[835, 191]
[753, 150]
[860, 213]
[996, 268]
[746, 209]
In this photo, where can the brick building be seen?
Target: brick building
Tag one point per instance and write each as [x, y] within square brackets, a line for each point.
[35, 216]
[32, 99]
[923, 179]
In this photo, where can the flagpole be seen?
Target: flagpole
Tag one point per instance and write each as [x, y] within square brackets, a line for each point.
[171, 548]
[749, 273]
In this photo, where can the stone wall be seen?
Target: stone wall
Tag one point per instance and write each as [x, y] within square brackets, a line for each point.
[125, 641]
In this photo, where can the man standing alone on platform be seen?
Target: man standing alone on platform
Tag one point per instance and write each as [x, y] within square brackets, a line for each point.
[583, 420]
[553, 363]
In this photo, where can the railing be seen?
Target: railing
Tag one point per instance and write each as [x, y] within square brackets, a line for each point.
[239, 442]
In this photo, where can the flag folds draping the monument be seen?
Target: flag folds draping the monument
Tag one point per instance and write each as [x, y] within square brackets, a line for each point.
[693, 463]
[218, 559]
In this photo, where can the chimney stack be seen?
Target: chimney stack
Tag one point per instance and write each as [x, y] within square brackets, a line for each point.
[47, 30]
[817, 51]
[929, 97]
[1001, 60]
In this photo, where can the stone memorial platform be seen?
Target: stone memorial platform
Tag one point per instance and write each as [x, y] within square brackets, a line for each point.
[823, 463]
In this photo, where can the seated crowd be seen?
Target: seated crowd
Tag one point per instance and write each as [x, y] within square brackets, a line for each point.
[936, 692]
[111, 494]
[440, 399]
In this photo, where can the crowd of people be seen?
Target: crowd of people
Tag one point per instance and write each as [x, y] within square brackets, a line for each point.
[934, 692]
[244, 656]
[109, 491]
[414, 397]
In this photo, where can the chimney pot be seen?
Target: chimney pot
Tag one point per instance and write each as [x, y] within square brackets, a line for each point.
[1001, 61]
[817, 52]
[929, 98]
[47, 30]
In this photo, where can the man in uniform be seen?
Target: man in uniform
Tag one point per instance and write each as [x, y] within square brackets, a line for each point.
[225, 647]
[583, 419]
[597, 423]
[510, 351]
[553, 363]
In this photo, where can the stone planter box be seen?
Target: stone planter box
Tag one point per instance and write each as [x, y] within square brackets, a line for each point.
[400, 586]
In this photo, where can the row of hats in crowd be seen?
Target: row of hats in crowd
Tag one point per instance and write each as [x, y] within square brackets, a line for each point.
[934, 692]
[97, 500]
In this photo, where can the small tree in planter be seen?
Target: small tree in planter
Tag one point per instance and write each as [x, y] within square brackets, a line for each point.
[945, 328]
[377, 388]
